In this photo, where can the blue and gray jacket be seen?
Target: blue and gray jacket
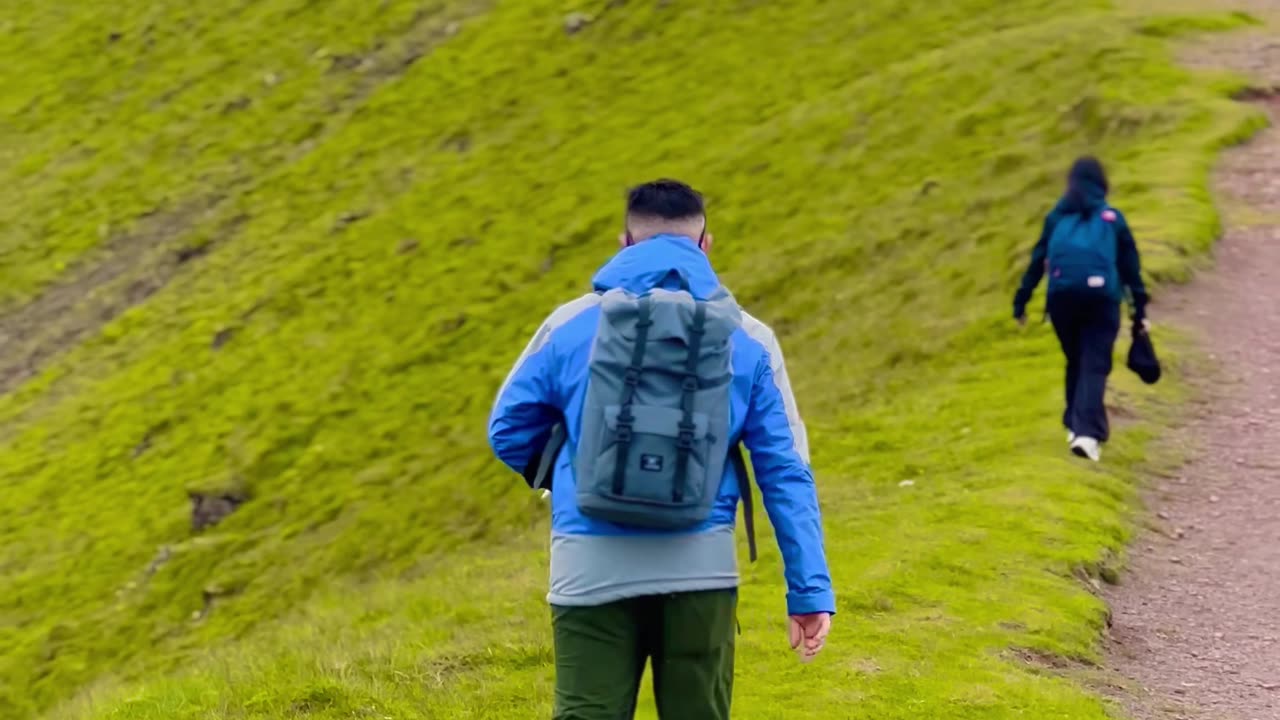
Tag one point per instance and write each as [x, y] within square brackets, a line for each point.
[595, 562]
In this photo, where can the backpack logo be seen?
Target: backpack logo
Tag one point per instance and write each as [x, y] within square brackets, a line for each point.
[1097, 281]
[1109, 215]
[651, 463]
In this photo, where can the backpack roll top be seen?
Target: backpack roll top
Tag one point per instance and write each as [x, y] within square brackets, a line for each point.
[1083, 255]
[655, 425]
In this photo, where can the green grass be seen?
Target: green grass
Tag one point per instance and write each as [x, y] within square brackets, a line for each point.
[381, 244]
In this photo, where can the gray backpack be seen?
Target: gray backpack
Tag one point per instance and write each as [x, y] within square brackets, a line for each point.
[655, 421]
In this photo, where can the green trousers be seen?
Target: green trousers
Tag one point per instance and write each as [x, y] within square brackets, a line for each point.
[601, 653]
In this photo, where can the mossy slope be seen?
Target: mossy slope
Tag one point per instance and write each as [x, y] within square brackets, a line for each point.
[382, 243]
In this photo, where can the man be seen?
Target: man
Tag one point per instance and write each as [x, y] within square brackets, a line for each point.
[1089, 252]
[621, 595]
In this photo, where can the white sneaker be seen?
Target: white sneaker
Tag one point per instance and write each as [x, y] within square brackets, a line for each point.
[1087, 447]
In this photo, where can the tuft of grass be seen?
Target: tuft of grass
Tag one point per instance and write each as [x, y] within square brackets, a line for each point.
[1171, 26]
[412, 188]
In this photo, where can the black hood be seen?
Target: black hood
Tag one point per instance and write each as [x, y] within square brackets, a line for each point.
[1086, 188]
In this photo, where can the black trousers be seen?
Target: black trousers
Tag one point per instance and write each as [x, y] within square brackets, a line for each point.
[1087, 327]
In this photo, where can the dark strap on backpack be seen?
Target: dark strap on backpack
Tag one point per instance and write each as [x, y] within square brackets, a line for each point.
[538, 474]
[688, 388]
[630, 380]
[744, 489]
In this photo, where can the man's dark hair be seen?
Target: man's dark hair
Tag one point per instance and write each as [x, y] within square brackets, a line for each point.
[666, 199]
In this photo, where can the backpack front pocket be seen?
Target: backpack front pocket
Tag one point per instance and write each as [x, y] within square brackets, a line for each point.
[649, 458]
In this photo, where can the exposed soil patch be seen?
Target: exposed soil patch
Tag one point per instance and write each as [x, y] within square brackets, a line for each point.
[1196, 620]
[209, 509]
[1044, 661]
[128, 270]
[133, 266]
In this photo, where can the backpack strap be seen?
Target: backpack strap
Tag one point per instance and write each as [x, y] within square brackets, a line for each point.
[744, 489]
[688, 388]
[631, 380]
[538, 474]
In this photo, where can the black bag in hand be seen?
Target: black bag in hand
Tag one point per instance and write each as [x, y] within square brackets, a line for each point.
[1142, 356]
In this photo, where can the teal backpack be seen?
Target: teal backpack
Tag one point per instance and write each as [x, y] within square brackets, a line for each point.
[655, 420]
[1082, 255]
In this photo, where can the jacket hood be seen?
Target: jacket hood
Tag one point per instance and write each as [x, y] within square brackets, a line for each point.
[1083, 198]
[1086, 190]
[657, 262]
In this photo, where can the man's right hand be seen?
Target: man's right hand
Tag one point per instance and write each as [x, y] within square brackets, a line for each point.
[1021, 320]
[808, 634]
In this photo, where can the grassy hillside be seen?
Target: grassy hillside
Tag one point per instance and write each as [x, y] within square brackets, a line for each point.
[287, 249]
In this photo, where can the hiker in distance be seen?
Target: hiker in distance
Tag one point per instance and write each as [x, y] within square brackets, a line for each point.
[654, 379]
[1089, 253]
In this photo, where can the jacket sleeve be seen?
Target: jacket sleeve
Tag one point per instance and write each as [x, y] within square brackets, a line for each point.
[1130, 266]
[1035, 269]
[789, 494]
[526, 406]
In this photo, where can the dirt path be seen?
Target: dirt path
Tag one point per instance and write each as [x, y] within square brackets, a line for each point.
[1196, 622]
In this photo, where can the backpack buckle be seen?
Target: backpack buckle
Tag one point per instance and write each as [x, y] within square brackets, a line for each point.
[631, 376]
[623, 434]
[685, 438]
[690, 384]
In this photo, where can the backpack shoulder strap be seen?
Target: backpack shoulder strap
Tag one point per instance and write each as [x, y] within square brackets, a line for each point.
[539, 472]
[744, 489]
